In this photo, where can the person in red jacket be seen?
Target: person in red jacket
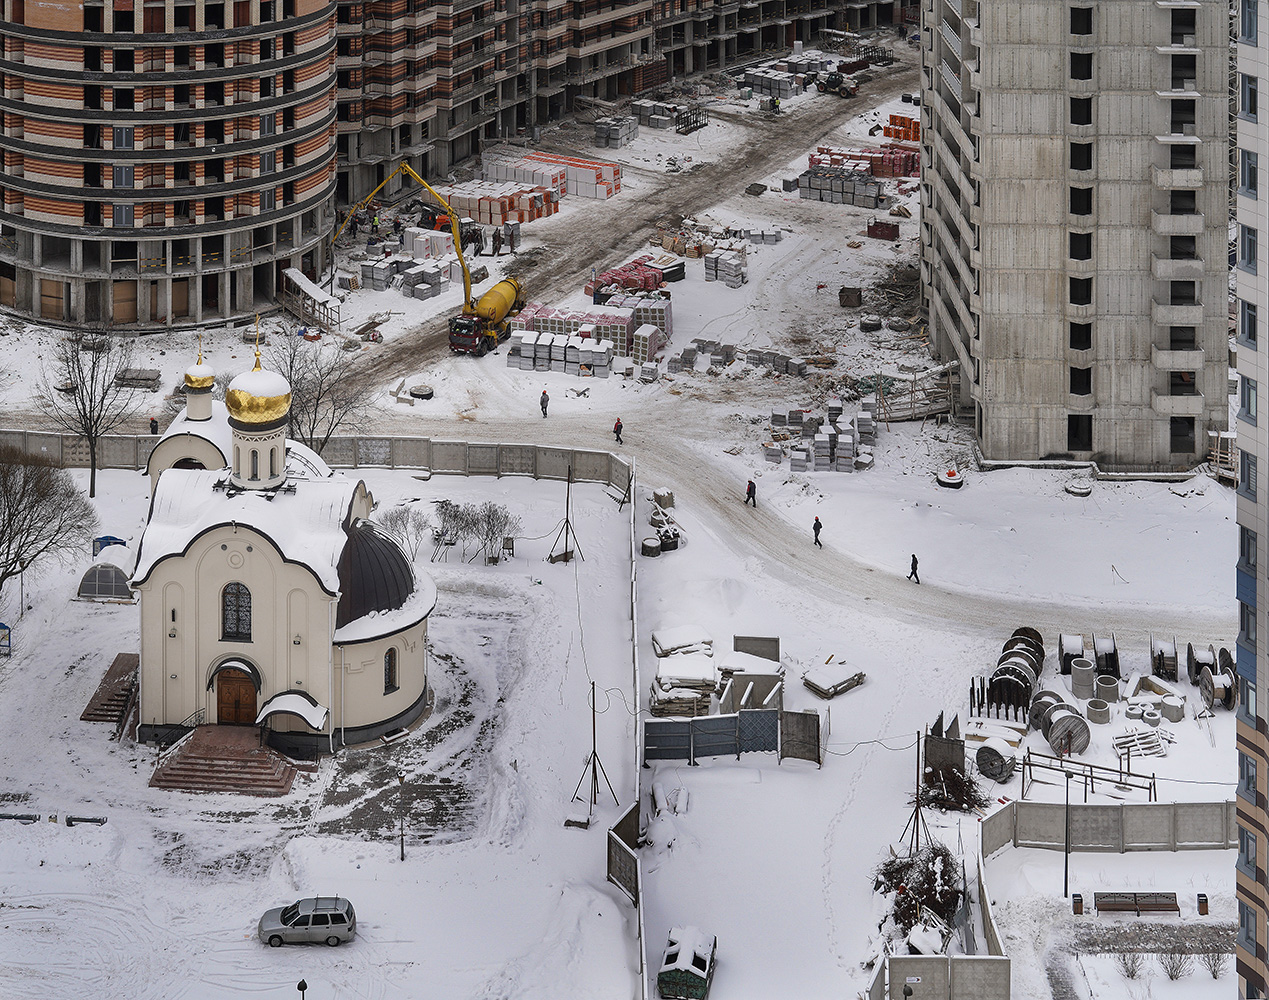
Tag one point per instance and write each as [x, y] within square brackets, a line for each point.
[616, 429]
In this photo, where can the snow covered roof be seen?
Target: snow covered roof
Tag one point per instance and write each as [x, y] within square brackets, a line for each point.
[299, 703]
[215, 431]
[380, 623]
[305, 523]
[117, 555]
[261, 384]
[313, 291]
[689, 949]
[667, 640]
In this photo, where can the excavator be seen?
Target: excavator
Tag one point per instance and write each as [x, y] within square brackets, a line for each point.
[482, 323]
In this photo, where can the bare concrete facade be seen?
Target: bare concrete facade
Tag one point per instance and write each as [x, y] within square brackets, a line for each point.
[1074, 162]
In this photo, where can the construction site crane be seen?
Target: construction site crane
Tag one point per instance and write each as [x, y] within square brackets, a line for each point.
[481, 324]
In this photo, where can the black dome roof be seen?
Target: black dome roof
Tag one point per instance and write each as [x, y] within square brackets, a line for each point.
[374, 574]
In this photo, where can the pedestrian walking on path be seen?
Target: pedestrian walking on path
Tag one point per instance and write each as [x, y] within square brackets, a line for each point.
[616, 429]
[497, 242]
[751, 494]
[912, 574]
[816, 528]
[543, 401]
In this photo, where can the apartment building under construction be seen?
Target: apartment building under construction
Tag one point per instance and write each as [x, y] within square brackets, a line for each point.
[165, 161]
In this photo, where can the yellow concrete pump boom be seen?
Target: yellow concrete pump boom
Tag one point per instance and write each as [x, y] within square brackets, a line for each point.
[469, 307]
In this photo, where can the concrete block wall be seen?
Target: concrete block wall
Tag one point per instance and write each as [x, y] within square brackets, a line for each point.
[1154, 826]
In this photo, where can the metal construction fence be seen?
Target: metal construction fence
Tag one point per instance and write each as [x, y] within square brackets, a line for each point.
[797, 735]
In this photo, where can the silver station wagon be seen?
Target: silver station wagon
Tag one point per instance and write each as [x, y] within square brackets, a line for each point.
[319, 918]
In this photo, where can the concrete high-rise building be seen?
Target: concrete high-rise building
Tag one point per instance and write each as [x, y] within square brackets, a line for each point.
[163, 162]
[1251, 309]
[1074, 223]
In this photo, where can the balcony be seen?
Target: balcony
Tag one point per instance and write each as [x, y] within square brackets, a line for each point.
[1178, 225]
[1168, 361]
[1176, 406]
[1166, 180]
[1167, 314]
[1171, 269]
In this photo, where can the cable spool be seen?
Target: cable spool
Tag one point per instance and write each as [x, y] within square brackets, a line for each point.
[1011, 683]
[1067, 731]
[1218, 687]
[995, 759]
[1097, 711]
[1197, 659]
[1030, 634]
[1107, 689]
[1041, 705]
[1024, 653]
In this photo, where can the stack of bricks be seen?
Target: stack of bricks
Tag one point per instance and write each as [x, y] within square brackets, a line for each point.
[493, 203]
[903, 128]
[423, 244]
[610, 323]
[523, 170]
[769, 83]
[648, 340]
[584, 178]
[653, 114]
[726, 266]
[530, 351]
[638, 274]
[889, 160]
[616, 131]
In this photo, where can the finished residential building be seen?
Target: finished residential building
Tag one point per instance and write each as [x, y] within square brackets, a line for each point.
[1251, 288]
[1074, 223]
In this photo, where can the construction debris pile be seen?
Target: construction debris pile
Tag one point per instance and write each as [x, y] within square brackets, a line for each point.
[573, 355]
[686, 677]
[823, 445]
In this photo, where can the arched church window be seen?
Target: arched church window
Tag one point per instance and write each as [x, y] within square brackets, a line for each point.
[390, 670]
[235, 618]
[273, 462]
[255, 464]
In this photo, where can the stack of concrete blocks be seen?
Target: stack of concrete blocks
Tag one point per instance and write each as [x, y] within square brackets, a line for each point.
[559, 346]
[377, 275]
[770, 83]
[796, 366]
[799, 458]
[764, 235]
[601, 355]
[844, 453]
[649, 307]
[515, 343]
[808, 64]
[584, 178]
[794, 421]
[523, 170]
[726, 266]
[689, 358]
[823, 452]
[779, 418]
[493, 203]
[422, 281]
[649, 371]
[834, 408]
[616, 131]
[648, 339]
[840, 186]
[772, 454]
[865, 428]
[653, 114]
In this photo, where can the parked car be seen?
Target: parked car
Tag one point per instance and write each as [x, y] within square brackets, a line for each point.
[319, 918]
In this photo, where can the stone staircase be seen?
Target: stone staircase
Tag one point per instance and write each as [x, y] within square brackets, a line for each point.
[113, 697]
[225, 759]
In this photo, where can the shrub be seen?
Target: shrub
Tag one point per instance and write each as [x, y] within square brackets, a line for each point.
[1130, 963]
[1176, 964]
[1214, 962]
[930, 879]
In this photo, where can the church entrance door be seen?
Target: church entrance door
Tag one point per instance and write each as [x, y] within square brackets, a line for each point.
[235, 699]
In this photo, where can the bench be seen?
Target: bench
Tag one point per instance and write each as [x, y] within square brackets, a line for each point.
[1136, 902]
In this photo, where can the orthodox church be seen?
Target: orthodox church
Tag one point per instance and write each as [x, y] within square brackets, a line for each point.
[267, 597]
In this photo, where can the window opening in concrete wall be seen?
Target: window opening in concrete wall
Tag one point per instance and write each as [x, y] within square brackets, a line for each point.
[1081, 336]
[1081, 246]
[1082, 201]
[1182, 156]
[1079, 432]
[1081, 381]
[1081, 156]
[1081, 290]
[1081, 65]
[1182, 338]
[1081, 20]
[1081, 111]
[1181, 435]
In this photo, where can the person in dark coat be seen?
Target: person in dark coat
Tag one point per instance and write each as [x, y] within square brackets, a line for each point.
[912, 574]
[154, 426]
[497, 242]
[751, 494]
[397, 226]
[543, 401]
[616, 429]
[816, 528]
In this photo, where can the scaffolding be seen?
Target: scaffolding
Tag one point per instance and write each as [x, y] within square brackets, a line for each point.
[308, 303]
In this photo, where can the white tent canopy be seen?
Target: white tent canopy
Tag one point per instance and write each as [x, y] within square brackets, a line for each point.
[295, 703]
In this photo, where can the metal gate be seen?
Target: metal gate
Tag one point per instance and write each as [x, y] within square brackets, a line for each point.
[747, 731]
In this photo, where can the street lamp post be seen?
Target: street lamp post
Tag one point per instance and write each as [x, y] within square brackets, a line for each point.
[301, 986]
[1066, 861]
[401, 809]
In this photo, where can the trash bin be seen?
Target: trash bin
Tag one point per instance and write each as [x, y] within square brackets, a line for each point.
[1077, 904]
[1202, 904]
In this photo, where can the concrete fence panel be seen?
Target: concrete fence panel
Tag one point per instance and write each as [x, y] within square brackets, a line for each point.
[116, 451]
[517, 460]
[996, 830]
[877, 986]
[978, 977]
[341, 452]
[374, 451]
[590, 466]
[482, 459]
[618, 474]
[145, 445]
[1149, 827]
[766, 646]
[929, 975]
[1040, 824]
[14, 439]
[411, 453]
[1201, 826]
[449, 456]
[74, 451]
[991, 933]
[553, 463]
[1094, 828]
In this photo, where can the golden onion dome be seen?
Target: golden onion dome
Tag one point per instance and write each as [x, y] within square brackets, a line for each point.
[258, 397]
[199, 375]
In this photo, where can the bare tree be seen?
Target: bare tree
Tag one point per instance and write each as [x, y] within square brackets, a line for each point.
[1214, 962]
[80, 389]
[492, 523]
[42, 512]
[1176, 964]
[329, 391]
[409, 525]
[1130, 963]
